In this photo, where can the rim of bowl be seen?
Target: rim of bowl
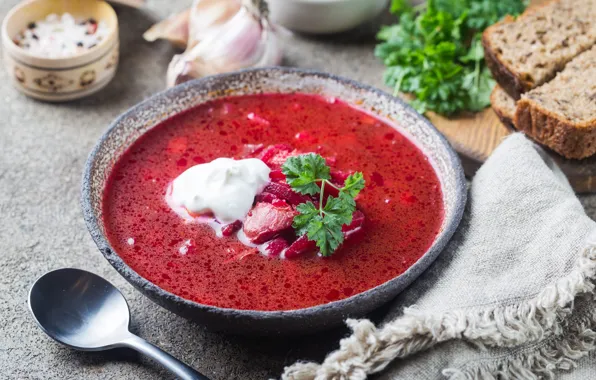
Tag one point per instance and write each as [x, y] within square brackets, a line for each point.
[441, 240]
[44, 62]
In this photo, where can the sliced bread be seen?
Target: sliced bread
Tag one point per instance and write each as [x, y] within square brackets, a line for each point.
[527, 52]
[561, 114]
[503, 105]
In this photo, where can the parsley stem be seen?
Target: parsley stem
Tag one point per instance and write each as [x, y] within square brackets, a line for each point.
[321, 198]
[332, 185]
[477, 73]
[398, 82]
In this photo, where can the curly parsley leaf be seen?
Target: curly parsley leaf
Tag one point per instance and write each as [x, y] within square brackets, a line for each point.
[302, 172]
[338, 210]
[400, 6]
[323, 223]
[325, 232]
[476, 52]
[484, 13]
[353, 184]
[477, 81]
[479, 84]
[307, 211]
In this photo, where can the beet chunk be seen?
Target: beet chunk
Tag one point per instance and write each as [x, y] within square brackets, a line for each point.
[277, 176]
[285, 192]
[266, 221]
[301, 246]
[266, 197]
[275, 155]
[276, 246]
[357, 222]
[339, 177]
[230, 229]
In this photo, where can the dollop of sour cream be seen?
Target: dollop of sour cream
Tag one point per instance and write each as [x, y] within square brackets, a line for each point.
[224, 187]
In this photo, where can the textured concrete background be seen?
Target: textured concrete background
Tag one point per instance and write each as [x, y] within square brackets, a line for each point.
[43, 148]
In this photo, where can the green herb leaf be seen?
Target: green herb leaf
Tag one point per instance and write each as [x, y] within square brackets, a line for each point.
[400, 6]
[339, 210]
[302, 172]
[322, 224]
[480, 84]
[476, 51]
[478, 80]
[354, 184]
[301, 221]
[484, 13]
[325, 232]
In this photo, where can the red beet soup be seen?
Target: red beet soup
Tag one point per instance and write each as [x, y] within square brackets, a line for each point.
[402, 202]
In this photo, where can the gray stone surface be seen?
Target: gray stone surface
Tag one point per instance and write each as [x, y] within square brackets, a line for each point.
[42, 151]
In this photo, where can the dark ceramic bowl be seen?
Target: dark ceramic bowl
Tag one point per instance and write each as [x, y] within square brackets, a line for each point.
[141, 118]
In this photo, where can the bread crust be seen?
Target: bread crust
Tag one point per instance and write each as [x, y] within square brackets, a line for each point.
[510, 82]
[569, 139]
[505, 117]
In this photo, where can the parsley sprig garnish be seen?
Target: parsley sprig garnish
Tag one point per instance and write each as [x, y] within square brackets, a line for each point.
[309, 174]
[435, 52]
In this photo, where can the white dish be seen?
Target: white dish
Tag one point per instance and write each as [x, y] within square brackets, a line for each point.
[324, 16]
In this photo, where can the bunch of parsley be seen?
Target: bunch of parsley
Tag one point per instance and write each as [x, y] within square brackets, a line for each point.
[436, 55]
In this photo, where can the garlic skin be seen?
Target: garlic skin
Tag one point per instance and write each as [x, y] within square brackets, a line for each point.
[174, 29]
[205, 15]
[246, 39]
[187, 28]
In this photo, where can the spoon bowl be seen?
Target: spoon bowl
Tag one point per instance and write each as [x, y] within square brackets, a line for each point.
[84, 311]
[69, 305]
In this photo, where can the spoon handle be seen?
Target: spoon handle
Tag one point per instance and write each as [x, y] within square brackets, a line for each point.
[178, 368]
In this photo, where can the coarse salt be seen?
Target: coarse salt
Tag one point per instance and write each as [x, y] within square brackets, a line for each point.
[61, 36]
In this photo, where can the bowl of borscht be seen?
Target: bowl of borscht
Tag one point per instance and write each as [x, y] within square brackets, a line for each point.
[272, 201]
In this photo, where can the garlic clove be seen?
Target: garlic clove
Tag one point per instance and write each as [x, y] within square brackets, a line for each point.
[205, 15]
[273, 52]
[246, 40]
[174, 29]
[187, 28]
[181, 71]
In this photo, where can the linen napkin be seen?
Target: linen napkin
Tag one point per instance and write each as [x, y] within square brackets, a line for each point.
[511, 297]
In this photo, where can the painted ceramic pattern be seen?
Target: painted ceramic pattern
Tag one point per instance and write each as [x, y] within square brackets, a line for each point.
[63, 84]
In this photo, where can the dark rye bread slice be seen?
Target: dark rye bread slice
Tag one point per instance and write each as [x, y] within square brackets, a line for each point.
[503, 105]
[526, 52]
[561, 114]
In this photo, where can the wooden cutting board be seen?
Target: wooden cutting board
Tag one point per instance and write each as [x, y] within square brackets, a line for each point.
[476, 136]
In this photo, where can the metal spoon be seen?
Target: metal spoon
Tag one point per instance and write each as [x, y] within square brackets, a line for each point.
[84, 311]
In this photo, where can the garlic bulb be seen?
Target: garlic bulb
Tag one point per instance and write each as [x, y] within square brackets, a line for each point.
[243, 40]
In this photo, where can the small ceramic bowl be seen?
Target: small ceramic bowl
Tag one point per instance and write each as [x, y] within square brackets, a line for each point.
[141, 118]
[324, 16]
[60, 79]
